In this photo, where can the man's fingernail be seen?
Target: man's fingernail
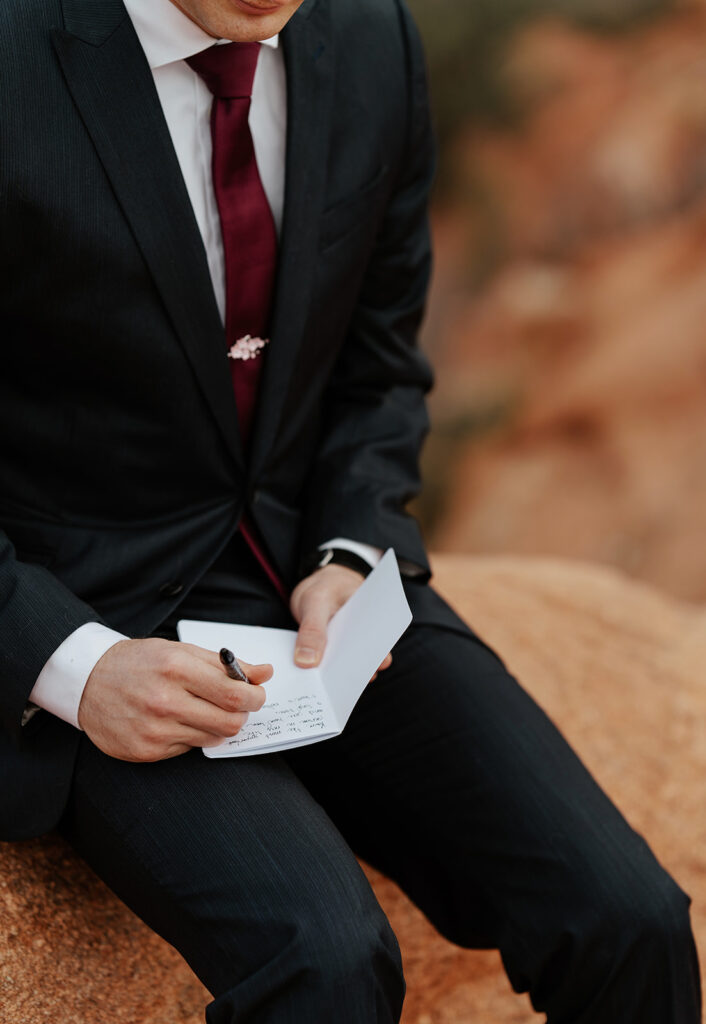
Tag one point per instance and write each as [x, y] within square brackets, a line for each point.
[305, 656]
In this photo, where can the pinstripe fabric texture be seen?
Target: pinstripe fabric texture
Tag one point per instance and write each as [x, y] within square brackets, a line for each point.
[122, 470]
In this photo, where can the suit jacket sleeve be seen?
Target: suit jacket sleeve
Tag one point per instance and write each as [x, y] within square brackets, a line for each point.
[375, 422]
[37, 613]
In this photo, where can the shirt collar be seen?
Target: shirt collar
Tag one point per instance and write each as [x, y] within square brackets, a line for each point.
[167, 35]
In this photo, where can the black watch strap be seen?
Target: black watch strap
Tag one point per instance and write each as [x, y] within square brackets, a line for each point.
[340, 556]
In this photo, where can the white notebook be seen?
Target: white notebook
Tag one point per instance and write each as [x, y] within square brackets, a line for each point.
[308, 705]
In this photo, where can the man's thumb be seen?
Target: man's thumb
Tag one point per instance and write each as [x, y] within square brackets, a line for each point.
[311, 638]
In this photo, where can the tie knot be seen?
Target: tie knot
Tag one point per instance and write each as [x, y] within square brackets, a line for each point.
[228, 70]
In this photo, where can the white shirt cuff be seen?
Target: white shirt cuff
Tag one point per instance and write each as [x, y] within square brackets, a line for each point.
[61, 682]
[365, 551]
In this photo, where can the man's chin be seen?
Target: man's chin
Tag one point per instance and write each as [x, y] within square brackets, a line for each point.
[243, 21]
[253, 22]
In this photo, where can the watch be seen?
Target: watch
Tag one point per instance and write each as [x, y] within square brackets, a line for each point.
[338, 556]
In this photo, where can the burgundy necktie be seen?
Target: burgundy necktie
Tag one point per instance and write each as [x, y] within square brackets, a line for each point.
[249, 234]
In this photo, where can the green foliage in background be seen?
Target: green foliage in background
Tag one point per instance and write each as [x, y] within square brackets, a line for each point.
[465, 40]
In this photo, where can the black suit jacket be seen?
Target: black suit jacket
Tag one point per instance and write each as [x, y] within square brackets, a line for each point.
[122, 473]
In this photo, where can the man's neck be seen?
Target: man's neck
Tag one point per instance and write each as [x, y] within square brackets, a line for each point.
[189, 15]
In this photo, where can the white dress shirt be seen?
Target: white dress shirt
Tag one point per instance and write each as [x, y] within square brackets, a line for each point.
[168, 37]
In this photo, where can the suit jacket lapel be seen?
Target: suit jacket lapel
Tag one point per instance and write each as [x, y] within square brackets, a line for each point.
[308, 54]
[113, 88]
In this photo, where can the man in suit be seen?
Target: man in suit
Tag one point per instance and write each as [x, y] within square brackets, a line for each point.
[167, 203]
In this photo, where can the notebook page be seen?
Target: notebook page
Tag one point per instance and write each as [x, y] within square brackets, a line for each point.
[361, 634]
[297, 707]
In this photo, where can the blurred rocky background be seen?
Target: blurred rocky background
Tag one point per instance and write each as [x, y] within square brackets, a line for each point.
[567, 321]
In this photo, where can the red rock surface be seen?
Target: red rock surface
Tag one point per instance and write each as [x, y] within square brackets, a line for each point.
[619, 667]
[586, 233]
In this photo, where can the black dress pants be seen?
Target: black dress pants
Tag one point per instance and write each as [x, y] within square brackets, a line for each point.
[449, 779]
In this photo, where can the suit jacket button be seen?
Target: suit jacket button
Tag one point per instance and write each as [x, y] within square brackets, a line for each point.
[171, 589]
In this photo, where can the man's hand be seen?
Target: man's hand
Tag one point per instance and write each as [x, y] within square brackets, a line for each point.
[314, 603]
[147, 700]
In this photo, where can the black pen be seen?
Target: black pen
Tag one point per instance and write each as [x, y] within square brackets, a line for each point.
[232, 666]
